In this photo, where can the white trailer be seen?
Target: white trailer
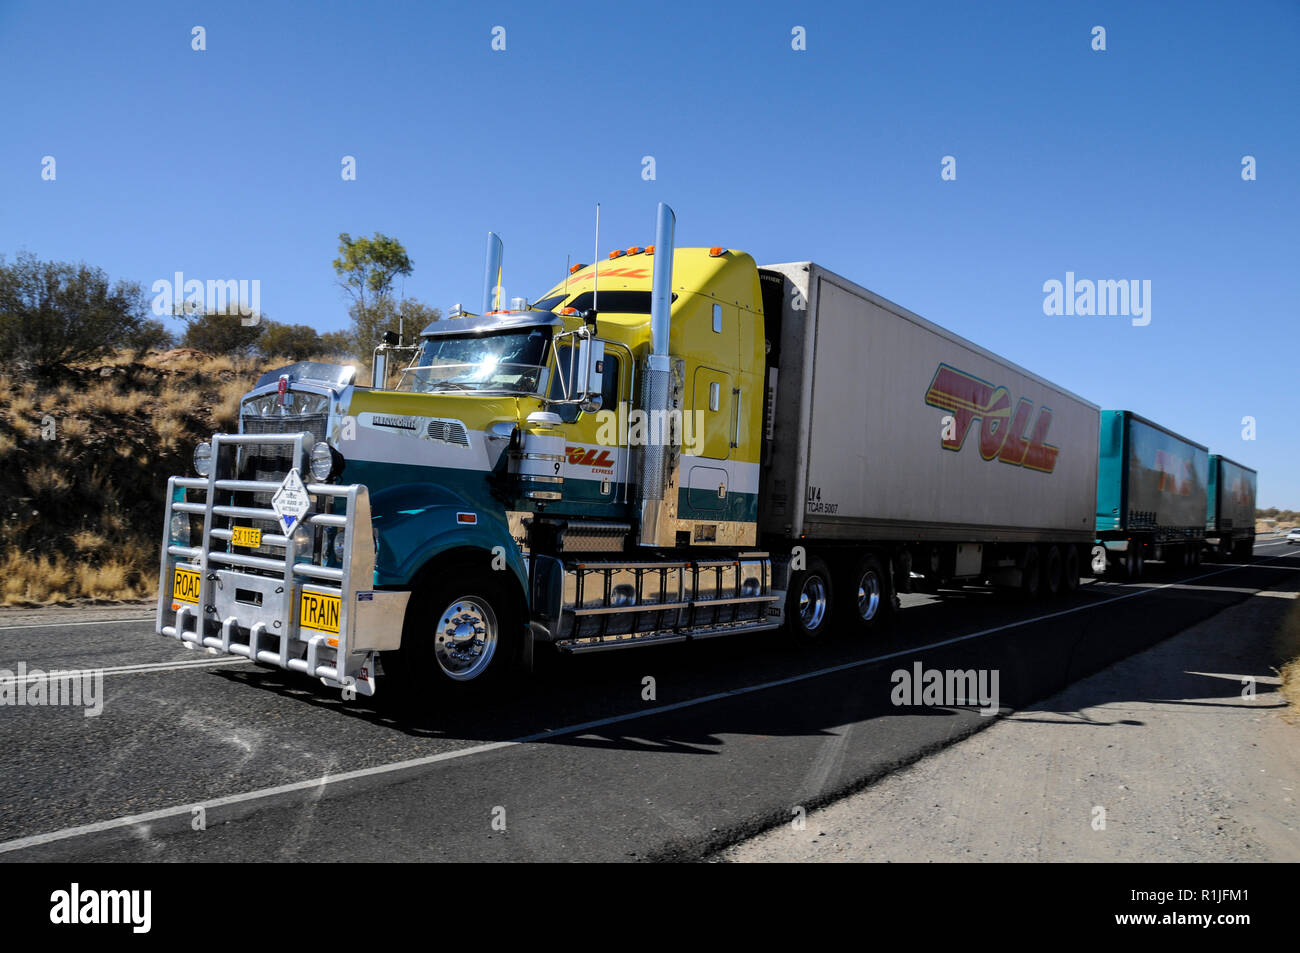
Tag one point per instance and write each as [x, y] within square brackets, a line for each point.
[891, 435]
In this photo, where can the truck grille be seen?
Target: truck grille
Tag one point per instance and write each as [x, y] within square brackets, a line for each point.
[271, 463]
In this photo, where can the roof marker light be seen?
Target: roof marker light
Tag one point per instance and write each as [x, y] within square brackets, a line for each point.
[634, 250]
[649, 249]
[617, 253]
[576, 268]
[717, 251]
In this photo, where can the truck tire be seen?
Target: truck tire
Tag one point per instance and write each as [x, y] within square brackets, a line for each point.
[1031, 574]
[1053, 571]
[866, 599]
[460, 635]
[1070, 569]
[809, 601]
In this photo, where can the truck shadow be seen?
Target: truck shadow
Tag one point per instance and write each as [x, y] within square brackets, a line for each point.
[770, 687]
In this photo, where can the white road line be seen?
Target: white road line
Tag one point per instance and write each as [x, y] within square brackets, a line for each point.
[60, 625]
[142, 668]
[36, 840]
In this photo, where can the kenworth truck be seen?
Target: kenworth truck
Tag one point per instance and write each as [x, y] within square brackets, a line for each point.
[1151, 496]
[670, 444]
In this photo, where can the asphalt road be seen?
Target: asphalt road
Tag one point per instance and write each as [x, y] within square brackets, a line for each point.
[202, 758]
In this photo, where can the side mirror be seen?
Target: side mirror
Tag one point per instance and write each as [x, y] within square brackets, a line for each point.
[591, 374]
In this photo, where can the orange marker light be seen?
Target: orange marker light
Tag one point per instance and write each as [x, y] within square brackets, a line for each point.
[716, 251]
[568, 311]
[634, 250]
[617, 253]
[576, 268]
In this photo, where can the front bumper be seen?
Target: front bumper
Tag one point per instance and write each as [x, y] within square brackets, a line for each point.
[291, 609]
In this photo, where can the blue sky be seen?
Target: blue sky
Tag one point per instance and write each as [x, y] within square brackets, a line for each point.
[1122, 164]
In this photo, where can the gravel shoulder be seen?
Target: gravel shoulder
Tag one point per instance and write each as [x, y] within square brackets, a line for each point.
[1184, 767]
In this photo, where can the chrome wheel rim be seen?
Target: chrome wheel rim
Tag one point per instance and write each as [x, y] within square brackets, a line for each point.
[812, 602]
[465, 638]
[868, 596]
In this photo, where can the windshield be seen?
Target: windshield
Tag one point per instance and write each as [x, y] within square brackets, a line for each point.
[510, 361]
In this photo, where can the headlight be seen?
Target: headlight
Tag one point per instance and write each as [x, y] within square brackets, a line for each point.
[322, 462]
[339, 545]
[180, 529]
[203, 458]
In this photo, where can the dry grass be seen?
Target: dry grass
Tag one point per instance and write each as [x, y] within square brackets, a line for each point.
[170, 431]
[41, 580]
[88, 501]
[28, 580]
[225, 412]
[1288, 647]
[48, 480]
[21, 407]
[89, 541]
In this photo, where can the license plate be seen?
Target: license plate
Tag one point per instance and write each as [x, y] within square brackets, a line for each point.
[185, 586]
[320, 612]
[246, 536]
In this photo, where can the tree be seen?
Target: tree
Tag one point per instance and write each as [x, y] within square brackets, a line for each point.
[296, 341]
[151, 335]
[56, 313]
[409, 315]
[367, 266]
[338, 344]
[227, 332]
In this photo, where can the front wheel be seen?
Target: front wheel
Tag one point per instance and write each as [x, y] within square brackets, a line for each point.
[459, 634]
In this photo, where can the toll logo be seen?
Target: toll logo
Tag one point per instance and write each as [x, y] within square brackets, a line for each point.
[1005, 431]
[585, 457]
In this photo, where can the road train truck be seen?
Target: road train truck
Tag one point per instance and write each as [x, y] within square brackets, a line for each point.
[671, 444]
[1152, 496]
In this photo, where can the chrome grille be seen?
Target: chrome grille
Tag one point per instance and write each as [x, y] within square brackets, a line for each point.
[271, 462]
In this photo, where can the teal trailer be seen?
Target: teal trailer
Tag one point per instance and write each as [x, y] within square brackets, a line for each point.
[1230, 519]
[1152, 495]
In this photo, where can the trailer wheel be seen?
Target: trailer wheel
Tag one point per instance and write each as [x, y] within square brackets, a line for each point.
[1052, 572]
[808, 602]
[1138, 561]
[1070, 579]
[459, 634]
[1031, 574]
[867, 597]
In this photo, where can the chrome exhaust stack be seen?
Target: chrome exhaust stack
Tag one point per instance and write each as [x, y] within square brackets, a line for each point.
[657, 389]
[492, 274]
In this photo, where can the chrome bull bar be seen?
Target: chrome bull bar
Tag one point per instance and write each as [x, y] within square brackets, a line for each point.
[251, 606]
